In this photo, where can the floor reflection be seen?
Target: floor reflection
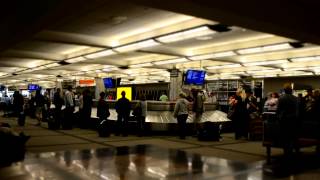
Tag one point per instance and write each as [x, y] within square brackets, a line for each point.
[140, 162]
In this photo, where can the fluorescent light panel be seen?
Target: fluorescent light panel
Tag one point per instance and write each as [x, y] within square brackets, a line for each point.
[305, 59]
[268, 48]
[171, 61]
[186, 34]
[138, 45]
[259, 63]
[76, 59]
[141, 65]
[264, 71]
[52, 65]
[99, 54]
[213, 55]
[224, 66]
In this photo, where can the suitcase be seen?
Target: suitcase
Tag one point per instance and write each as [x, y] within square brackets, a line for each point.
[21, 119]
[103, 129]
[53, 120]
[209, 132]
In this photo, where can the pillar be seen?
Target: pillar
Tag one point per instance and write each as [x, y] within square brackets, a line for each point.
[99, 87]
[175, 85]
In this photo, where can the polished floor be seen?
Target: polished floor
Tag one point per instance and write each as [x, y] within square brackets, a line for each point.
[81, 154]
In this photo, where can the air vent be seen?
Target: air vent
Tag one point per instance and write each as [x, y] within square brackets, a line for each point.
[220, 28]
[123, 67]
[63, 63]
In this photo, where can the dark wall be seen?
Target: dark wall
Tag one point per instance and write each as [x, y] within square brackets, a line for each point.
[275, 84]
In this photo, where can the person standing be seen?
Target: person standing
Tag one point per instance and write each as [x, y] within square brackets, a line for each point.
[123, 108]
[39, 101]
[87, 108]
[103, 108]
[58, 103]
[198, 108]
[140, 113]
[18, 103]
[288, 113]
[47, 103]
[164, 97]
[68, 113]
[181, 113]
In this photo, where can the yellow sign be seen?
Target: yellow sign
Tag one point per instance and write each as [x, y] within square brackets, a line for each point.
[127, 90]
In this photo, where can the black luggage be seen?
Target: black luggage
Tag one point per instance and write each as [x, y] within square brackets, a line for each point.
[53, 118]
[21, 119]
[209, 132]
[103, 129]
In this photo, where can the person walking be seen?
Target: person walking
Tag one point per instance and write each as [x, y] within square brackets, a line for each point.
[181, 113]
[58, 103]
[87, 108]
[123, 108]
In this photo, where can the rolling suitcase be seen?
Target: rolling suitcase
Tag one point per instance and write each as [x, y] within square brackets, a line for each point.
[103, 129]
[53, 119]
[21, 119]
[209, 132]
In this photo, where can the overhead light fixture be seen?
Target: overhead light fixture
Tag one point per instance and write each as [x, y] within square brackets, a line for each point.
[39, 68]
[305, 59]
[76, 59]
[141, 65]
[259, 63]
[231, 73]
[171, 61]
[137, 45]
[295, 74]
[186, 34]
[224, 66]
[296, 69]
[264, 71]
[212, 55]
[268, 48]
[265, 76]
[99, 54]
[52, 65]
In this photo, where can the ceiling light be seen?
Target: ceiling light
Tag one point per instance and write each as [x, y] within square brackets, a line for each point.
[39, 68]
[296, 74]
[186, 34]
[259, 63]
[141, 65]
[230, 73]
[265, 76]
[76, 59]
[275, 47]
[264, 71]
[212, 55]
[224, 66]
[171, 61]
[99, 54]
[52, 65]
[137, 45]
[296, 69]
[304, 59]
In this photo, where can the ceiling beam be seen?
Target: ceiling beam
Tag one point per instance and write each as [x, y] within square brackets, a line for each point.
[293, 19]
[22, 54]
[69, 38]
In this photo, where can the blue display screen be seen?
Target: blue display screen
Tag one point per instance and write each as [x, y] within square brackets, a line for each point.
[33, 87]
[108, 83]
[195, 77]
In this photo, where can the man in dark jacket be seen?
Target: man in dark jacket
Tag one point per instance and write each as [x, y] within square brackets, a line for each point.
[288, 113]
[123, 108]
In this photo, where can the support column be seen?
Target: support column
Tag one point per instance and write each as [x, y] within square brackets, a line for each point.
[99, 87]
[175, 86]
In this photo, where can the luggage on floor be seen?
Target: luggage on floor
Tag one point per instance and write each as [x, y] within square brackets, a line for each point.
[209, 131]
[103, 129]
[53, 119]
[21, 119]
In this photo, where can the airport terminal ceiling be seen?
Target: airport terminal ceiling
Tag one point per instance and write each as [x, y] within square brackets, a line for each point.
[139, 44]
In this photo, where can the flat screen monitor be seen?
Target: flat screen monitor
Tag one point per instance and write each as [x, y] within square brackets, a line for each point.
[108, 83]
[33, 87]
[195, 77]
